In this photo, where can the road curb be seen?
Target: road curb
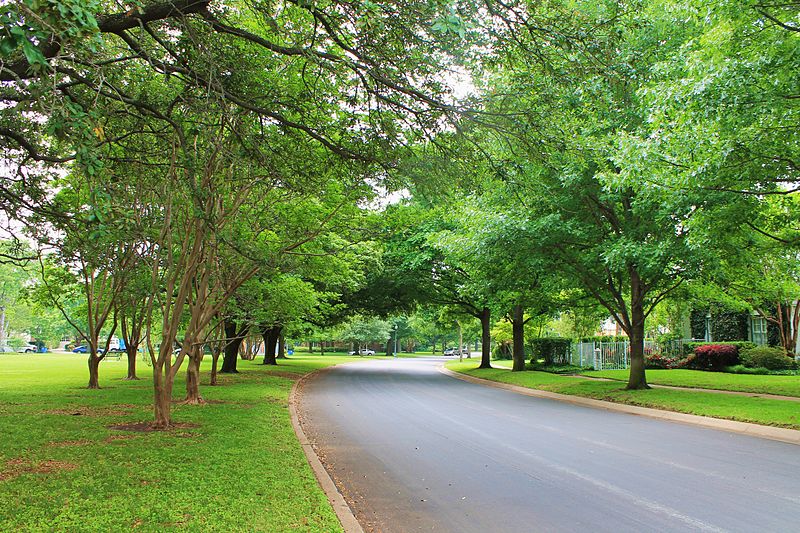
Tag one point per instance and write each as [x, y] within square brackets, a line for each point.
[343, 512]
[790, 436]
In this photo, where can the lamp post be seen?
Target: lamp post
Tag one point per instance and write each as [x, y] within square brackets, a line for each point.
[395, 341]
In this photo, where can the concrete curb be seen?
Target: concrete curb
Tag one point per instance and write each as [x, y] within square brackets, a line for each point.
[335, 498]
[790, 436]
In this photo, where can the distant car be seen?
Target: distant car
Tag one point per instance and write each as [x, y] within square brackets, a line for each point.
[81, 349]
[466, 351]
[7, 349]
[363, 351]
[28, 348]
[449, 351]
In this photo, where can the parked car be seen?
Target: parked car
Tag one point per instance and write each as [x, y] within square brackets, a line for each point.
[449, 351]
[28, 348]
[6, 349]
[362, 351]
[81, 349]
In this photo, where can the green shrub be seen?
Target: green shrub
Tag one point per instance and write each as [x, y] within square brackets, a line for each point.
[554, 350]
[767, 357]
[741, 369]
[501, 351]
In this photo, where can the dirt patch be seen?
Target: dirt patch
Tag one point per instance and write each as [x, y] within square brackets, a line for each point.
[68, 443]
[19, 466]
[83, 410]
[114, 438]
[148, 427]
[287, 375]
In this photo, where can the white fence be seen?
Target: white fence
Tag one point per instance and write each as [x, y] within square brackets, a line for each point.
[610, 355]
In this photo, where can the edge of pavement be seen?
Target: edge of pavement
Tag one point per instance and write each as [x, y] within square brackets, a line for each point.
[790, 436]
[343, 512]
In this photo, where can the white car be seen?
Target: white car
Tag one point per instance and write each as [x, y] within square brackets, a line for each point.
[449, 351]
[28, 348]
[363, 351]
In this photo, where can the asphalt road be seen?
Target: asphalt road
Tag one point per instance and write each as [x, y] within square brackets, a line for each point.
[414, 450]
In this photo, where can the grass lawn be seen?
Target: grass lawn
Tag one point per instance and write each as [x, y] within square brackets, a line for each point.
[765, 411]
[783, 385]
[236, 466]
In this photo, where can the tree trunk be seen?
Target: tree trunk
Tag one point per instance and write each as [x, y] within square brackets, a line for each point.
[322, 348]
[162, 398]
[518, 334]
[94, 370]
[389, 348]
[215, 351]
[270, 335]
[433, 348]
[486, 338]
[3, 334]
[281, 346]
[460, 342]
[193, 377]
[637, 379]
[310, 346]
[231, 356]
[131, 352]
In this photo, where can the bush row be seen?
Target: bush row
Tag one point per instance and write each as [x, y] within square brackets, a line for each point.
[729, 356]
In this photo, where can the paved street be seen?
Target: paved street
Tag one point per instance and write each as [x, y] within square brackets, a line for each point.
[415, 450]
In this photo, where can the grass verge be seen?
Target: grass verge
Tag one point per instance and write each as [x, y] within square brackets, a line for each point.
[782, 385]
[234, 465]
[771, 412]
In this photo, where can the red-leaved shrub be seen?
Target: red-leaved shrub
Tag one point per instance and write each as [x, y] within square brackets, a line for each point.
[713, 357]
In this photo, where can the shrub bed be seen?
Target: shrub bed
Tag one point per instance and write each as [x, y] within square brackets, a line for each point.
[767, 357]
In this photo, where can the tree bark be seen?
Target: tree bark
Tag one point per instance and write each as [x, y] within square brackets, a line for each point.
[162, 398]
[215, 352]
[281, 346]
[94, 370]
[637, 379]
[194, 359]
[132, 337]
[486, 338]
[131, 352]
[518, 335]
[231, 356]
[270, 335]
[389, 348]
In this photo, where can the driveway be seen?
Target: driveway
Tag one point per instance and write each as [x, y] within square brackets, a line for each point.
[414, 450]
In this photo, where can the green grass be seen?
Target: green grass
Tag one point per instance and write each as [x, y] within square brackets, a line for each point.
[783, 413]
[240, 469]
[762, 384]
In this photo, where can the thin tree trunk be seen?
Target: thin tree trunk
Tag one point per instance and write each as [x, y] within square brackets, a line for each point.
[215, 352]
[310, 346]
[94, 370]
[460, 342]
[637, 379]
[162, 398]
[518, 335]
[485, 338]
[281, 346]
[194, 359]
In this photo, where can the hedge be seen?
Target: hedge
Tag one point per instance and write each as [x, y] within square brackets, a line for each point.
[554, 350]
